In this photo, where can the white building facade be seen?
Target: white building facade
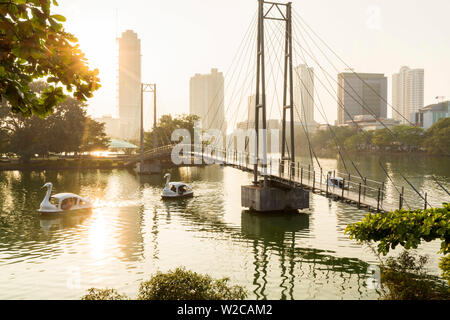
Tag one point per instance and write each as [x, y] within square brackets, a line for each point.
[206, 99]
[407, 93]
[129, 85]
[304, 96]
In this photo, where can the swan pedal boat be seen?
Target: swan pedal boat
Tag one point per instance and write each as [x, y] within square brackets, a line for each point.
[62, 202]
[176, 190]
[338, 183]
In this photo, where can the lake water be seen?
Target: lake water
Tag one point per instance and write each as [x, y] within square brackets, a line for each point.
[131, 233]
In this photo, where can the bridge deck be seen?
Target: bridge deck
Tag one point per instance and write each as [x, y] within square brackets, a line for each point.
[360, 192]
[361, 200]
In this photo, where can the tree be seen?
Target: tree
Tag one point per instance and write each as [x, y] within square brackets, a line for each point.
[68, 129]
[34, 45]
[437, 139]
[166, 125]
[410, 137]
[382, 139]
[358, 141]
[406, 278]
[94, 137]
[407, 229]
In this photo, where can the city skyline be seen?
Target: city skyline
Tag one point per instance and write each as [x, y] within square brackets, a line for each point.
[382, 42]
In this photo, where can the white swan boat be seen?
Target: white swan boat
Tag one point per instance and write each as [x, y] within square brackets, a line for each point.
[338, 182]
[174, 190]
[62, 202]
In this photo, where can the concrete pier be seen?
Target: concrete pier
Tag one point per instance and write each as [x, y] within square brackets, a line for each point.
[150, 167]
[273, 198]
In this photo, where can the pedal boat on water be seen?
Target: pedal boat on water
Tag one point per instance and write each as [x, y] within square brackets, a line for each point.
[62, 202]
[176, 190]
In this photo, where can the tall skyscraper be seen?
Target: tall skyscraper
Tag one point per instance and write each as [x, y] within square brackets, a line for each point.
[129, 85]
[361, 89]
[407, 93]
[304, 95]
[207, 99]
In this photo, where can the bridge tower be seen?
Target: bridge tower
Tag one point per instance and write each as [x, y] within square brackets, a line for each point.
[267, 195]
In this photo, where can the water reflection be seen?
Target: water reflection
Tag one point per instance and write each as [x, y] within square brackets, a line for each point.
[269, 232]
[281, 235]
[55, 222]
[132, 233]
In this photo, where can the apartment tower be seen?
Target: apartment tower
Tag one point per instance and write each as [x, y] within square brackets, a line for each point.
[129, 85]
[207, 99]
[407, 94]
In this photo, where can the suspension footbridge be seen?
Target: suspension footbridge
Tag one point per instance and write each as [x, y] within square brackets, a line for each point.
[277, 39]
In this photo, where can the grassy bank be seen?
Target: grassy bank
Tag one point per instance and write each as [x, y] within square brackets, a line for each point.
[59, 164]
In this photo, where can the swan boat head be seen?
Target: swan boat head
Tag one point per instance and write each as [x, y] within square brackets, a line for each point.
[46, 205]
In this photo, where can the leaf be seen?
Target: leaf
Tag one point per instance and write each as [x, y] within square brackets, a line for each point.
[58, 17]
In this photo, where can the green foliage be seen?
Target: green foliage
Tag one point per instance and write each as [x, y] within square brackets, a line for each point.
[357, 142]
[67, 129]
[410, 138]
[166, 125]
[444, 265]
[406, 278]
[437, 139]
[382, 139]
[408, 229]
[181, 284]
[405, 228]
[103, 294]
[34, 45]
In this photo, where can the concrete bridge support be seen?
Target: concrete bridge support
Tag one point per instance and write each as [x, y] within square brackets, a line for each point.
[274, 198]
[149, 167]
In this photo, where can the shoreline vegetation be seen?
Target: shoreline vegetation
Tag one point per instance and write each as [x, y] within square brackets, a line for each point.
[400, 139]
[58, 164]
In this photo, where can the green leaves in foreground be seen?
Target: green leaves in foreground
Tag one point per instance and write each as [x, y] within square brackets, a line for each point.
[34, 45]
[405, 228]
[408, 229]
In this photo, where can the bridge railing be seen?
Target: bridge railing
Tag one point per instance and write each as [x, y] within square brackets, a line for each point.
[385, 195]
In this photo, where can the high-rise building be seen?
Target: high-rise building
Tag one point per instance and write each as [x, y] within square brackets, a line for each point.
[407, 93]
[304, 95]
[207, 99]
[129, 85]
[361, 94]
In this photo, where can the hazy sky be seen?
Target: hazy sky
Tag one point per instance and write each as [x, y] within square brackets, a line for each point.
[184, 37]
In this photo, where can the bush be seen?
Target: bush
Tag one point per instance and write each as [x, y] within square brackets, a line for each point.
[103, 294]
[444, 264]
[187, 285]
[176, 285]
[406, 278]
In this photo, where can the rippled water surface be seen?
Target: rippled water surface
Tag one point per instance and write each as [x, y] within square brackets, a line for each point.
[131, 233]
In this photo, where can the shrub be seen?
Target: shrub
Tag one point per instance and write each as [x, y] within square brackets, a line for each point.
[444, 264]
[182, 284]
[406, 278]
[407, 229]
[103, 294]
